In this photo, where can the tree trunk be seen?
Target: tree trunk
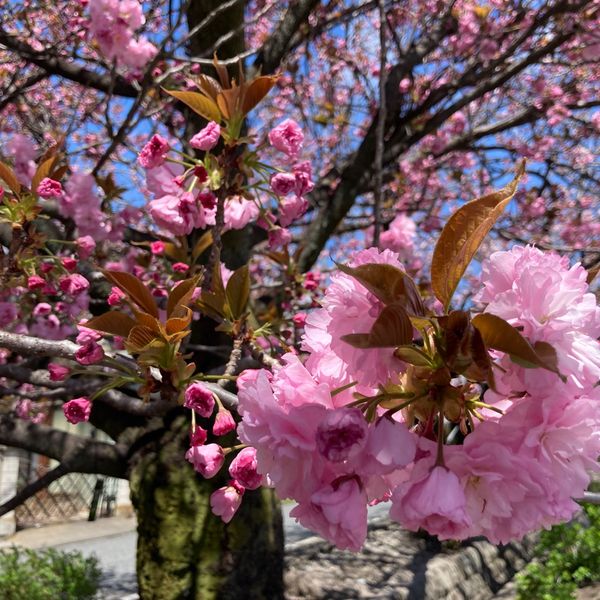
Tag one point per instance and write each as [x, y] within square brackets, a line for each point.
[184, 551]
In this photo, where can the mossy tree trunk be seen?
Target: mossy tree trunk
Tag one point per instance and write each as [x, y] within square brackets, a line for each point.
[185, 552]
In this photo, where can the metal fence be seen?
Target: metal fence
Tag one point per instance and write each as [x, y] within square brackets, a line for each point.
[73, 496]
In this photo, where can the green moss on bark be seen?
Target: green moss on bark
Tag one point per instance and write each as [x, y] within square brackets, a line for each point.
[184, 551]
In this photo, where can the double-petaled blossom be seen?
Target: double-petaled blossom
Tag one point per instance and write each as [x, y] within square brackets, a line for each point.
[207, 138]
[243, 469]
[287, 137]
[77, 410]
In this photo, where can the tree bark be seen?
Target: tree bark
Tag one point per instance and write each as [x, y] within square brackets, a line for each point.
[184, 551]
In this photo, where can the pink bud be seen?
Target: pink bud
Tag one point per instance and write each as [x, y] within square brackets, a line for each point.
[207, 460]
[69, 263]
[77, 410]
[180, 267]
[299, 319]
[73, 284]
[157, 247]
[85, 246]
[224, 423]
[89, 354]
[225, 501]
[198, 436]
[243, 469]
[35, 282]
[58, 372]
[115, 297]
[200, 399]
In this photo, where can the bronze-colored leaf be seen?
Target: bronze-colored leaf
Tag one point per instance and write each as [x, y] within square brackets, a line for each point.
[135, 289]
[592, 273]
[210, 86]
[113, 323]
[500, 335]
[228, 102]
[148, 321]
[392, 328]
[8, 176]
[462, 236]
[481, 367]
[256, 90]
[139, 337]
[202, 244]
[389, 284]
[221, 72]
[199, 103]
[43, 170]
[181, 295]
[238, 291]
[178, 324]
[212, 305]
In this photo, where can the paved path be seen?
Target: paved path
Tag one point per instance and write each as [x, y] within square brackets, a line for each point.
[113, 541]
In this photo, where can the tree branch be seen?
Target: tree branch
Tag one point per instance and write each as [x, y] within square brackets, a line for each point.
[32, 346]
[276, 47]
[54, 65]
[83, 455]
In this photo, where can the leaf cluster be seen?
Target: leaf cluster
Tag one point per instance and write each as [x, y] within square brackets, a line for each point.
[568, 557]
[47, 575]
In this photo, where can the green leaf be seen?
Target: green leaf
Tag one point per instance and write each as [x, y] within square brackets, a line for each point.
[462, 236]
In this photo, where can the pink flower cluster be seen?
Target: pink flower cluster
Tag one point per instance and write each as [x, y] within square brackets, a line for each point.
[112, 25]
[512, 474]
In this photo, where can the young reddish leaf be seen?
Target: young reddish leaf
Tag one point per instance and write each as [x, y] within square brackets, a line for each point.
[139, 337]
[178, 324]
[238, 291]
[256, 90]
[222, 72]
[135, 289]
[392, 328]
[592, 273]
[481, 367]
[357, 340]
[112, 322]
[462, 236]
[389, 284]
[200, 104]
[181, 295]
[148, 321]
[500, 335]
[8, 176]
[210, 86]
